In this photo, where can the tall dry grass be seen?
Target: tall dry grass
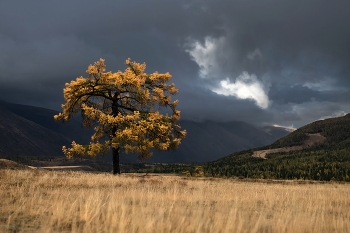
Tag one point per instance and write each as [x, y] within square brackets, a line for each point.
[44, 201]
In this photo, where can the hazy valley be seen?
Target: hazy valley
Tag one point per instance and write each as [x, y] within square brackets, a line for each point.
[28, 130]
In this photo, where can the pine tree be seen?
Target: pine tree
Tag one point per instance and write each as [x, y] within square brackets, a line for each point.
[123, 108]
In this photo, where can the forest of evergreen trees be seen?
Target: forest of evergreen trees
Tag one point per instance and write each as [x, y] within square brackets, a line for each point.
[321, 164]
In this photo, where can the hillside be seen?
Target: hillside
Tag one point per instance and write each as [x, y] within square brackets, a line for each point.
[335, 130]
[208, 141]
[205, 141]
[24, 137]
[327, 160]
[73, 129]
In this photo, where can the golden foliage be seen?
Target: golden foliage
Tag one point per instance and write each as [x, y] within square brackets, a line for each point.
[198, 171]
[124, 108]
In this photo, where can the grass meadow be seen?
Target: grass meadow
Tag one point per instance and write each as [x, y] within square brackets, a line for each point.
[54, 201]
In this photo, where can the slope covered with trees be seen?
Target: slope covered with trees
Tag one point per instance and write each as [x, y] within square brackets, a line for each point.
[336, 131]
[327, 161]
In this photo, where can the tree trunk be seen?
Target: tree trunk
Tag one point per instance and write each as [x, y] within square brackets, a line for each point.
[116, 166]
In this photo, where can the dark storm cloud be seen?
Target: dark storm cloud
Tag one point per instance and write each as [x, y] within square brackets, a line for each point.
[300, 32]
[291, 55]
[296, 94]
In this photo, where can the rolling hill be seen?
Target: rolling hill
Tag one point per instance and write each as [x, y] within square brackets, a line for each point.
[326, 159]
[24, 137]
[73, 129]
[29, 130]
[208, 141]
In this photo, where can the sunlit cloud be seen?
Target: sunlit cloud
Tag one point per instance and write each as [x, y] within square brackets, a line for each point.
[215, 51]
[290, 128]
[245, 87]
[207, 55]
[335, 114]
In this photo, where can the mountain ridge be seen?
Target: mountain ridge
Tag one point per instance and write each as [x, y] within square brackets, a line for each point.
[21, 136]
[327, 159]
[206, 141]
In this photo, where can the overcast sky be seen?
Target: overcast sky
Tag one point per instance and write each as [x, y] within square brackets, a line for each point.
[264, 62]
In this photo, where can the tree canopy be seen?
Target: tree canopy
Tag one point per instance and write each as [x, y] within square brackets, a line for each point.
[124, 109]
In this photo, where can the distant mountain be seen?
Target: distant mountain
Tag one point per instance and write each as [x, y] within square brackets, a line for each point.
[205, 141]
[277, 131]
[73, 129]
[208, 141]
[24, 137]
[327, 158]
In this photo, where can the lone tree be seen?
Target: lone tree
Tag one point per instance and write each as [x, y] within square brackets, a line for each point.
[123, 109]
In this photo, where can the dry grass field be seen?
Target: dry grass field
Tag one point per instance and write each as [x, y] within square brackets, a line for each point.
[62, 201]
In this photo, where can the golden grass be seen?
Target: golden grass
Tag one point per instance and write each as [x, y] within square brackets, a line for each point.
[47, 201]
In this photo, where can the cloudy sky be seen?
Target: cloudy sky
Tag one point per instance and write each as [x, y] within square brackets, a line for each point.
[264, 62]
